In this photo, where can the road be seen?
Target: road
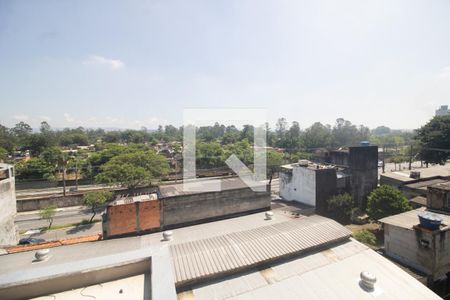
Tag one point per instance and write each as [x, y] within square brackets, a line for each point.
[69, 215]
[56, 190]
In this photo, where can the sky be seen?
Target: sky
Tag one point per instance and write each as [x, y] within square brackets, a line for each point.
[128, 64]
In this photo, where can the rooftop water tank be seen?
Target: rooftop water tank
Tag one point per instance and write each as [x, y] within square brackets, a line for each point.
[429, 220]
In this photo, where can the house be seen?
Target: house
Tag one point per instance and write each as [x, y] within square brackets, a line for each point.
[353, 170]
[308, 183]
[414, 245]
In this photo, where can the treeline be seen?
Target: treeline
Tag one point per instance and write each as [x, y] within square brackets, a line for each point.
[288, 136]
[50, 155]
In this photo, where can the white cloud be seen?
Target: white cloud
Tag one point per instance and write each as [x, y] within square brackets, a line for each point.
[68, 118]
[20, 117]
[444, 72]
[112, 64]
[45, 118]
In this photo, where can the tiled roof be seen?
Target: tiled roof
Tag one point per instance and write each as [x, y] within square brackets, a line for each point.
[210, 257]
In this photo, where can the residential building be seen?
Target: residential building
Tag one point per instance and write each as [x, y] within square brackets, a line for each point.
[353, 170]
[308, 183]
[402, 177]
[443, 111]
[416, 246]
[438, 197]
[8, 235]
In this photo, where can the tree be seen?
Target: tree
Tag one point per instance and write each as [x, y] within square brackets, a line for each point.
[344, 133]
[51, 155]
[381, 130]
[385, 201]
[96, 199]
[209, 155]
[48, 213]
[280, 131]
[317, 136]
[293, 137]
[434, 139]
[133, 169]
[34, 168]
[340, 207]
[3, 154]
[22, 131]
[274, 160]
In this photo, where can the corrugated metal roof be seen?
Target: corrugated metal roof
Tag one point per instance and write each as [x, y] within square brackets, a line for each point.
[210, 257]
[329, 274]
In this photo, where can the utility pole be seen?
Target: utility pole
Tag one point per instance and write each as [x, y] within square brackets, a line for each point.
[384, 155]
[76, 173]
[64, 180]
[410, 155]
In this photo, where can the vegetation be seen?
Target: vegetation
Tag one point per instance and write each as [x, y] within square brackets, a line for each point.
[273, 163]
[48, 214]
[434, 138]
[55, 152]
[340, 207]
[366, 237]
[133, 169]
[385, 201]
[96, 199]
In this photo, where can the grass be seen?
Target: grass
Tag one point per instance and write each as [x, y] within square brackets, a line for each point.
[63, 226]
[361, 232]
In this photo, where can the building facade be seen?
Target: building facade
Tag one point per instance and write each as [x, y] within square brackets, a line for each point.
[8, 235]
[308, 183]
[353, 170]
[422, 249]
[443, 111]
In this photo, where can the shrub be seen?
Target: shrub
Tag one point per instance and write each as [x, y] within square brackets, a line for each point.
[340, 207]
[48, 213]
[366, 237]
[96, 199]
[386, 201]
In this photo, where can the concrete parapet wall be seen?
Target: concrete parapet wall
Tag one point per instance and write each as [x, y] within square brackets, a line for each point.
[188, 209]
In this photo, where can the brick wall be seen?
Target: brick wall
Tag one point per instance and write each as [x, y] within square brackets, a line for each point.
[131, 218]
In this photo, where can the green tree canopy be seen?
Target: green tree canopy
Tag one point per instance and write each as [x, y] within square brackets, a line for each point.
[209, 155]
[274, 160]
[434, 138]
[34, 168]
[95, 199]
[340, 207]
[133, 169]
[48, 213]
[385, 201]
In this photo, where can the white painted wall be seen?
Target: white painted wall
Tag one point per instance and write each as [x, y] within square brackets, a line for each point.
[7, 209]
[300, 186]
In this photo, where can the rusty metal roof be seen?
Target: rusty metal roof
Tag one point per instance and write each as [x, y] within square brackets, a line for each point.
[207, 258]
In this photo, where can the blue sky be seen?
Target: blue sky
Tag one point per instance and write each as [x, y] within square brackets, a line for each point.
[129, 64]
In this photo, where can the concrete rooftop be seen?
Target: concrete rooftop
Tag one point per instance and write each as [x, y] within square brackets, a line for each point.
[410, 218]
[330, 271]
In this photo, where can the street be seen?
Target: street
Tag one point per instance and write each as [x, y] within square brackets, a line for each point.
[68, 215]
